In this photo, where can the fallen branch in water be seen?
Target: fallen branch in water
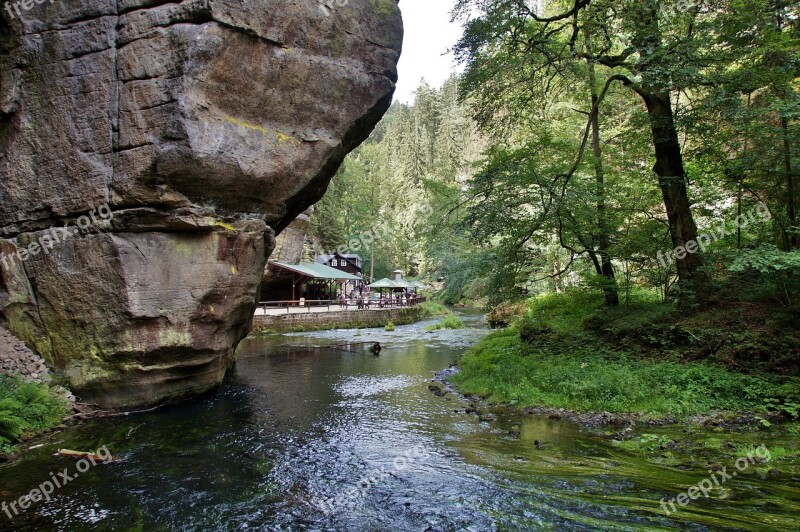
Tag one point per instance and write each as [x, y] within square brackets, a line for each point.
[101, 414]
[79, 455]
[67, 453]
[290, 346]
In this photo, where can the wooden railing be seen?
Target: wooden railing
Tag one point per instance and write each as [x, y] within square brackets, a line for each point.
[343, 304]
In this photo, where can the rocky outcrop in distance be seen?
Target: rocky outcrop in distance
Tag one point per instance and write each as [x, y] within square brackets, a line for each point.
[149, 153]
[293, 245]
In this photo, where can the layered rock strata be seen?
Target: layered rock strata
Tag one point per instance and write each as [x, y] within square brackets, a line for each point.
[149, 153]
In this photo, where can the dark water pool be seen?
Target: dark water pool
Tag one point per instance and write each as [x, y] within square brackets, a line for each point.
[313, 433]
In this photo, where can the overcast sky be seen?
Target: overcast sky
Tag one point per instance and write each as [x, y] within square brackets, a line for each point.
[428, 35]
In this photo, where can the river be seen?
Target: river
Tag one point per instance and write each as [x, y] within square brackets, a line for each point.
[311, 433]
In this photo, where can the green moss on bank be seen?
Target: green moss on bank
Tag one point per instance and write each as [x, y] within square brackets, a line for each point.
[571, 352]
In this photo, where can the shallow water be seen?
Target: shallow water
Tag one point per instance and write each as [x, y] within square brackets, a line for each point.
[312, 433]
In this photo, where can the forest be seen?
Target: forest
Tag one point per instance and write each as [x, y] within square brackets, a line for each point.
[630, 165]
[567, 156]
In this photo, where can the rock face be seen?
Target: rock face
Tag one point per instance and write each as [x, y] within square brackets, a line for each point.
[292, 244]
[149, 152]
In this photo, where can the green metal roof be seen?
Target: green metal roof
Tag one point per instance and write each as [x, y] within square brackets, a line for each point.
[316, 271]
[385, 283]
[388, 283]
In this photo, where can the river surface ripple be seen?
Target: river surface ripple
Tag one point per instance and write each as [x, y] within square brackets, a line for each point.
[312, 432]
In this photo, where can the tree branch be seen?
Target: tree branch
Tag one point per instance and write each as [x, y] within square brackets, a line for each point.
[610, 61]
[579, 4]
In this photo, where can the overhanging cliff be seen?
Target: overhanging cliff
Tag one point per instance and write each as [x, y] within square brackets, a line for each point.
[149, 152]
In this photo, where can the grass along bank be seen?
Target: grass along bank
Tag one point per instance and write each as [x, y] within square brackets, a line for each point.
[451, 321]
[431, 309]
[569, 351]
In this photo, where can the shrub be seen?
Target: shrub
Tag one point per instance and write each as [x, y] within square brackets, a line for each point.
[449, 322]
[768, 270]
[26, 407]
[431, 308]
[10, 427]
[389, 327]
[563, 313]
[505, 314]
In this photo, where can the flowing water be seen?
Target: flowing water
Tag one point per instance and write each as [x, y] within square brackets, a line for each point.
[311, 432]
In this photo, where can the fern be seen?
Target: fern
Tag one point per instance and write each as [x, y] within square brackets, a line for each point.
[10, 405]
[32, 394]
[27, 407]
[10, 426]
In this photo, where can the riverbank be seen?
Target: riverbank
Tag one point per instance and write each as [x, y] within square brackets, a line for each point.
[645, 360]
[30, 404]
[669, 386]
[704, 442]
[344, 319]
[27, 410]
[571, 359]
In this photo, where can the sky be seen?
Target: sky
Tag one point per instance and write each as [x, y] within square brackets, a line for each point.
[428, 35]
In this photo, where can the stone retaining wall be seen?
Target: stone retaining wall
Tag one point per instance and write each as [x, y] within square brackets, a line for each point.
[345, 319]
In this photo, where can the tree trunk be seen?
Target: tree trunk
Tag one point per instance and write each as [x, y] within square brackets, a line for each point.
[672, 181]
[372, 257]
[790, 193]
[740, 175]
[739, 215]
[654, 90]
[559, 287]
[603, 238]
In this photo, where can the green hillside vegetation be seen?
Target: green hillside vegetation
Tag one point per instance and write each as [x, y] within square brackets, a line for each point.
[26, 408]
[619, 184]
[569, 351]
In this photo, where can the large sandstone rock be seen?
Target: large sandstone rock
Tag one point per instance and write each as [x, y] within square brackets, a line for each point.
[206, 126]
[293, 244]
